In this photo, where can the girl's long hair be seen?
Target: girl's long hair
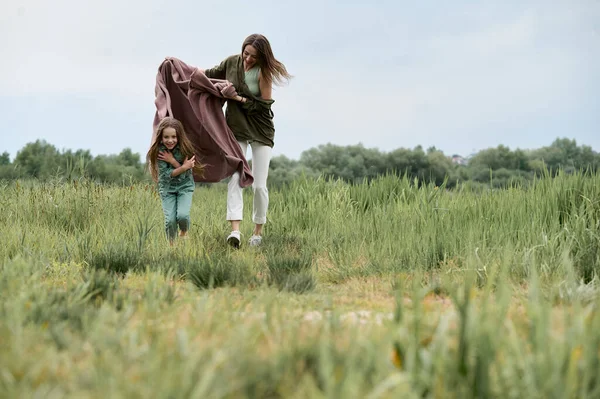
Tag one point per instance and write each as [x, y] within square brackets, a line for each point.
[272, 70]
[185, 146]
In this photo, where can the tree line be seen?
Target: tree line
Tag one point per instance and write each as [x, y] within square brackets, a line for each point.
[495, 167]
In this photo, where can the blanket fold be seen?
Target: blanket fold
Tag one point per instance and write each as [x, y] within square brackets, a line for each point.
[184, 92]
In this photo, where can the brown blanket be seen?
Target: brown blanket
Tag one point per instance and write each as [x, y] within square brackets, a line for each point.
[185, 93]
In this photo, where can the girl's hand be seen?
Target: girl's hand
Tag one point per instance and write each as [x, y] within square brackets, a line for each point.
[189, 163]
[166, 156]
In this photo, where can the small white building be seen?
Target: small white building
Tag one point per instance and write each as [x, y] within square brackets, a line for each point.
[459, 160]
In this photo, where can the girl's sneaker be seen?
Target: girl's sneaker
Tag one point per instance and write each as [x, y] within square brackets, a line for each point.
[255, 241]
[234, 239]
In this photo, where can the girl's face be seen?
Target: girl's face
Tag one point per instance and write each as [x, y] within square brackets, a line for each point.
[169, 138]
[250, 56]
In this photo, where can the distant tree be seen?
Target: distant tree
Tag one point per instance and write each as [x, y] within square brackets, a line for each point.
[589, 159]
[500, 157]
[405, 161]
[351, 163]
[498, 167]
[75, 164]
[38, 159]
[128, 158]
[564, 154]
[439, 168]
[283, 171]
[5, 158]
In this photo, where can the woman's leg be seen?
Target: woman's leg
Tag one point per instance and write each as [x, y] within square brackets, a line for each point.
[261, 157]
[235, 203]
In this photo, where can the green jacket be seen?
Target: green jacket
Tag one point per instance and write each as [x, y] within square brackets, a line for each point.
[179, 183]
[248, 121]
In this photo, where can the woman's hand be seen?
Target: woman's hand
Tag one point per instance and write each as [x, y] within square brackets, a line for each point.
[226, 89]
[168, 157]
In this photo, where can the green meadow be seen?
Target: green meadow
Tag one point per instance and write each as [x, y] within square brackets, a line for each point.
[382, 289]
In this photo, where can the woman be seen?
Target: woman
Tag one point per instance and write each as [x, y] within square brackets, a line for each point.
[250, 118]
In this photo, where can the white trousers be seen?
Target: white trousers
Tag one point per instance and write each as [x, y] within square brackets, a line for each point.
[261, 157]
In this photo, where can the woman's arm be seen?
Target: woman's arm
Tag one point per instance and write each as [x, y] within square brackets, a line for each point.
[266, 87]
[218, 72]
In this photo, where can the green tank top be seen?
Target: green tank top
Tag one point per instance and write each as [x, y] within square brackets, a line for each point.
[251, 78]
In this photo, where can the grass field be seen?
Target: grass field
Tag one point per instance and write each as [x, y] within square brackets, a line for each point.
[375, 290]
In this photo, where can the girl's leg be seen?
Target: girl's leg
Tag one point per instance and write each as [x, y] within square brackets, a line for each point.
[169, 204]
[235, 201]
[184, 204]
[261, 157]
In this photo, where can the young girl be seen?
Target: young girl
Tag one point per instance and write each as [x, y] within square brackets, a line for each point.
[172, 164]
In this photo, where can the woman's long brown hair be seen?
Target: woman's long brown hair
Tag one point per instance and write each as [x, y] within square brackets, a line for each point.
[272, 70]
[185, 146]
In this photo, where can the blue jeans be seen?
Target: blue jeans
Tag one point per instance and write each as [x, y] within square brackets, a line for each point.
[176, 207]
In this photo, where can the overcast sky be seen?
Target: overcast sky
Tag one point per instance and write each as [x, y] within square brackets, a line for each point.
[460, 75]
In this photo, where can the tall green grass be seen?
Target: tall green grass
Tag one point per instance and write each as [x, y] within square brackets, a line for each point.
[497, 292]
[388, 225]
[99, 335]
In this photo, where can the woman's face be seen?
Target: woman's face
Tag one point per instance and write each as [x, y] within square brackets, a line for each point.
[250, 56]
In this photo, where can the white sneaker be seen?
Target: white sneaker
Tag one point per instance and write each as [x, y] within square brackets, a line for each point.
[255, 241]
[234, 238]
